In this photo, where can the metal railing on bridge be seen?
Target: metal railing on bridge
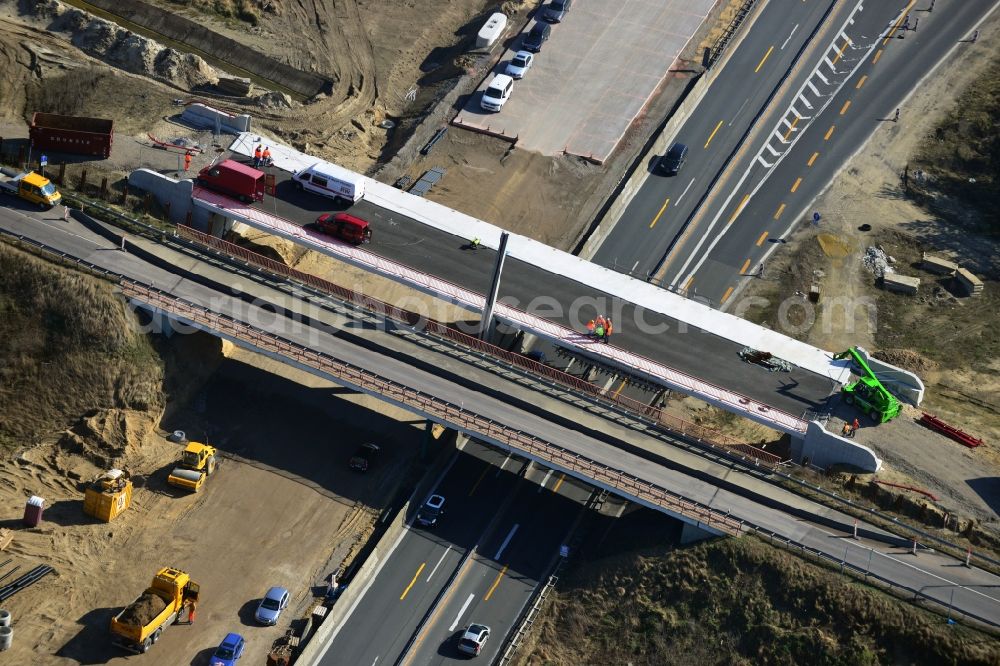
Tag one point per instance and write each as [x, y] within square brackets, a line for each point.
[437, 409]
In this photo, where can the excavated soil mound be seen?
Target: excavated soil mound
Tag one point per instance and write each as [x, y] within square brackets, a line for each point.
[143, 610]
[906, 359]
[126, 49]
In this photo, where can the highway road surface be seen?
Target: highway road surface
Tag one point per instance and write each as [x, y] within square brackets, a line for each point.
[876, 77]
[751, 72]
[937, 576]
[433, 584]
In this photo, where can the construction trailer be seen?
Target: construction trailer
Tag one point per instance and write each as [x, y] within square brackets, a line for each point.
[71, 134]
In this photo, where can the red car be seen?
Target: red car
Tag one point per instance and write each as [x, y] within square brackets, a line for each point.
[345, 227]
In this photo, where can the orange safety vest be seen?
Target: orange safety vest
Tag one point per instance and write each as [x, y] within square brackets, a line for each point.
[256, 153]
[590, 326]
[267, 154]
[609, 328]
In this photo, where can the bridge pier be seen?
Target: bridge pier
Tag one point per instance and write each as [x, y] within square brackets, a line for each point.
[692, 534]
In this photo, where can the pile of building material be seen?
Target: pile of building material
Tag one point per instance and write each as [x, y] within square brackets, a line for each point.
[6, 536]
[972, 285]
[938, 265]
[877, 261]
[235, 86]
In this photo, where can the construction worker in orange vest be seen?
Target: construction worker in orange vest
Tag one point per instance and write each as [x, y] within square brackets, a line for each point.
[256, 156]
[608, 328]
[187, 161]
[600, 321]
[590, 327]
[266, 155]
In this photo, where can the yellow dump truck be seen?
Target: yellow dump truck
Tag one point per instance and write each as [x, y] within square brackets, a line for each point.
[198, 462]
[140, 624]
[32, 187]
[108, 495]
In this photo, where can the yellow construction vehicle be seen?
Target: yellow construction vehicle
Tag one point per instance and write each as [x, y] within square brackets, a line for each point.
[140, 624]
[198, 461]
[108, 495]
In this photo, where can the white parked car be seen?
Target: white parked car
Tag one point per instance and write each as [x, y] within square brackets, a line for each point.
[520, 64]
[497, 93]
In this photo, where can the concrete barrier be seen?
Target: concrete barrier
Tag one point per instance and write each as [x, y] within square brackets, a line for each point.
[168, 192]
[824, 448]
[904, 384]
[201, 115]
[366, 574]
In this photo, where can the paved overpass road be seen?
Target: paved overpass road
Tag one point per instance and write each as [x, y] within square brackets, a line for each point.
[717, 267]
[570, 303]
[754, 68]
[938, 576]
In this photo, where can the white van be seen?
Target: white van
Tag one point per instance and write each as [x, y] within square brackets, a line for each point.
[332, 181]
[497, 92]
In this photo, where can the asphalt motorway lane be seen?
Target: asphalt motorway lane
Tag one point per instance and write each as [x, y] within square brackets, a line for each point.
[415, 573]
[497, 581]
[867, 101]
[658, 211]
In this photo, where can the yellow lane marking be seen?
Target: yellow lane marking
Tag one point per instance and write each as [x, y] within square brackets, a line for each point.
[829, 133]
[687, 285]
[781, 209]
[739, 209]
[562, 477]
[798, 181]
[812, 159]
[662, 208]
[712, 135]
[840, 53]
[878, 54]
[476, 484]
[763, 236]
[861, 82]
[726, 295]
[844, 108]
[899, 22]
[762, 60]
[495, 583]
[406, 591]
[795, 121]
[746, 265]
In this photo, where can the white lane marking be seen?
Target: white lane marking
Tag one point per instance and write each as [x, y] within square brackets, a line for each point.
[510, 535]
[439, 563]
[502, 465]
[549, 473]
[461, 612]
[375, 662]
[737, 114]
[789, 37]
[684, 192]
[634, 265]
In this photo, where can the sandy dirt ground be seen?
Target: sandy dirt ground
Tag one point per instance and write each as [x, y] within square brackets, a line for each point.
[869, 190]
[283, 509]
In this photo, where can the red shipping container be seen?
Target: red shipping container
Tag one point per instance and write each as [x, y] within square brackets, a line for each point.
[71, 134]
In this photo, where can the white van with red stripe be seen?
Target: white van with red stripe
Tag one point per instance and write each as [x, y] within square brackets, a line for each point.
[332, 181]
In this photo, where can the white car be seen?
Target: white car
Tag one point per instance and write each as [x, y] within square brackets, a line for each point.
[474, 638]
[520, 64]
[497, 93]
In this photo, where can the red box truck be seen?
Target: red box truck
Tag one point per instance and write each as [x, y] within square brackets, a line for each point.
[71, 134]
[233, 179]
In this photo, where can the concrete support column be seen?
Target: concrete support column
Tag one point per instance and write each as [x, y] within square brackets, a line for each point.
[486, 325]
[692, 534]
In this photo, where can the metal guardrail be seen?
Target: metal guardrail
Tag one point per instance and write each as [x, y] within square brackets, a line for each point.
[730, 31]
[436, 408]
[525, 625]
[861, 573]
